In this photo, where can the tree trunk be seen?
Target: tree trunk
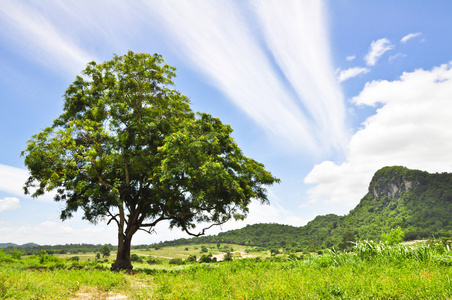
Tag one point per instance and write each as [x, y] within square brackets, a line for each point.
[123, 256]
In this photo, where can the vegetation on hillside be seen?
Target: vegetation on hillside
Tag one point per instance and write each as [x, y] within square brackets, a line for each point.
[418, 202]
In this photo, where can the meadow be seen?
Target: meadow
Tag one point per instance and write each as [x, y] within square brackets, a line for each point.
[371, 271]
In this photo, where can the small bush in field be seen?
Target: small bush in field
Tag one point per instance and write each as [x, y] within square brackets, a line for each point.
[207, 259]
[16, 254]
[153, 261]
[134, 257]
[394, 237]
[228, 256]
[176, 261]
[191, 258]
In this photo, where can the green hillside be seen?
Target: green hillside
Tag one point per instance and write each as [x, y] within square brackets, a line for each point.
[419, 202]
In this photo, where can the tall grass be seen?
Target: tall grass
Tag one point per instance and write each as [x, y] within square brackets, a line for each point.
[48, 277]
[372, 271]
[422, 252]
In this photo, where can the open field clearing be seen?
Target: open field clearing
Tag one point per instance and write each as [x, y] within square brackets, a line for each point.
[372, 271]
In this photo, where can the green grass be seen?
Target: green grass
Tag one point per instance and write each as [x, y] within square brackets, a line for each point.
[373, 271]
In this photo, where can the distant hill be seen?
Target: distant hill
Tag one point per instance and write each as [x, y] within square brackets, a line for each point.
[419, 202]
[28, 245]
[5, 245]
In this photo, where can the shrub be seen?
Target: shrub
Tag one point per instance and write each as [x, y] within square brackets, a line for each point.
[228, 256]
[153, 261]
[191, 258]
[206, 258]
[134, 257]
[394, 237]
[176, 261]
[16, 254]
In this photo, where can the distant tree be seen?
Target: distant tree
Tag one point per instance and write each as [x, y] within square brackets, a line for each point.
[105, 250]
[97, 255]
[175, 261]
[128, 148]
[16, 254]
[136, 258]
[205, 258]
[191, 258]
[394, 237]
[347, 242]
[228, 256]
[153, 261]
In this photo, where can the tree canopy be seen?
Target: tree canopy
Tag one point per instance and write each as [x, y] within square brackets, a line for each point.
[129, 149]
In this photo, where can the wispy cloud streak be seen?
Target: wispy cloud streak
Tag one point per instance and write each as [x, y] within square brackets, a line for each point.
[351, 72]
[285, 82]
[409, 37]
[297, 36]
[217, 40]
[40, 38]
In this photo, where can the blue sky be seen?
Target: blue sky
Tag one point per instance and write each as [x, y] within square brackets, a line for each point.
[324, 93]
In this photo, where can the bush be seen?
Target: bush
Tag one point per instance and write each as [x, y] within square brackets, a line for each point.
[4, 257]
[176, 261]
[134, 257]
[74, 258]
[228, 256]
[153, 261]
[394, 237]
[191, 258]
[16, 254]
[293, 256]
[206, 259]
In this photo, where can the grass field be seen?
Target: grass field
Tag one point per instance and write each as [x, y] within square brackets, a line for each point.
[372, 271]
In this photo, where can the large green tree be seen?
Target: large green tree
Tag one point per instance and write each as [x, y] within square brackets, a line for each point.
[128, 149]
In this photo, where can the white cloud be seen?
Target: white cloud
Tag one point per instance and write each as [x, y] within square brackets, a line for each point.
[9, 203]
[377, 49]
[217, 40]
[56, 233]
[412, 129]
[410, 36]
[13, 179]
[351, 72]
[350, 58]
